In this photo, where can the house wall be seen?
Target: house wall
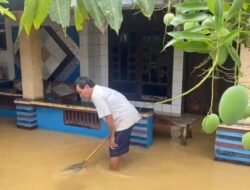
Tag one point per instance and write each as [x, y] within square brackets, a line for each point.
[175, 107]
[92, 54]
[245, 67]
[98, 55]
[7, 57]
[98, 70]
[53, 52]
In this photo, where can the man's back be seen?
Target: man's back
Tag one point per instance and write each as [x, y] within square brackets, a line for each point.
[108, 101]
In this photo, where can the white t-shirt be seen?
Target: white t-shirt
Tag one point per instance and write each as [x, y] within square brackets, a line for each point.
[108, 101]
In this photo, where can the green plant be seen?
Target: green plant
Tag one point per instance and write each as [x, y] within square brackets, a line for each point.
[219, 25]
[103, 13]
[5, 11]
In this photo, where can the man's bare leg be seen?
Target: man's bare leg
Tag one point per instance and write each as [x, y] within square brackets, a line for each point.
[114, 163]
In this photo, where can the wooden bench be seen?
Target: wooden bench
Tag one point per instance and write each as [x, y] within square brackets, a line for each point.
[185, 123]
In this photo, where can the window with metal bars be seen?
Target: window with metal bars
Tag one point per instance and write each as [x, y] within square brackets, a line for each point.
[81, 119]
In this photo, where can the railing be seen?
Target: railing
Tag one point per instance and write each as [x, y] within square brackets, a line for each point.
[81, 119]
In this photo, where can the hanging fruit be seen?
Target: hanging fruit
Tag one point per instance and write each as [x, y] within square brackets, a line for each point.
[168, 18]
[233, 104]
[210, 123]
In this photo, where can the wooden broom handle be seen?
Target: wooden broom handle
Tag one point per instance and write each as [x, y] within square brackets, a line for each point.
[97, 148]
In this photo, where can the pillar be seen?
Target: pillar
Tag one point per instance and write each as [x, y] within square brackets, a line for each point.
[31, 62]
[245, 68]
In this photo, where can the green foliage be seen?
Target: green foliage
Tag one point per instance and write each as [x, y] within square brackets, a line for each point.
[41, 12]
[28, 15]
[146, 6]
[112, 10]
[208, 22]
[186, 35]
[5, 11]
[4, 1]
[35, 12]
[59, 12]
[80, 15]
[235, 8]
[223, 54]
[218, 14]
[191, 46]
[188, 17]
[103, 12]
[233, 104]
[217, 25]
[229, 37]
[211, 5]
[96, 13]
[191, 6]
[234, 54]
[190, 41]
[190, 25]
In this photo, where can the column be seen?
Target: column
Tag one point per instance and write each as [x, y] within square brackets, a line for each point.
[245, 67]
[31, 62]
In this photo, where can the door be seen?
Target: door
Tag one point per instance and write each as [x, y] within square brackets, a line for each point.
[137, 67]
[198, 101]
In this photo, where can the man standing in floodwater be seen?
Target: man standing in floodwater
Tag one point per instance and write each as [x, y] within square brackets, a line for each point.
[119, 114]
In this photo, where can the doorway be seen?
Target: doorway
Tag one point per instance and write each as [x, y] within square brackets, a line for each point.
[198, 101]
[137, 67]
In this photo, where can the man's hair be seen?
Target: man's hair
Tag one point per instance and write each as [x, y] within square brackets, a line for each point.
[82, 81]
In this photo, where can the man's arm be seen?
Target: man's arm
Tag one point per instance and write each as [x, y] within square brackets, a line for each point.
[105, 113]
[110, 122]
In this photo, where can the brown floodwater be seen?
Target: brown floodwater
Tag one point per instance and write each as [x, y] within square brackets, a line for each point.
[33, 160]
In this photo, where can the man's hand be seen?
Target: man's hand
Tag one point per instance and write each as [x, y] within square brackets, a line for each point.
[112, 143]
[111, 126]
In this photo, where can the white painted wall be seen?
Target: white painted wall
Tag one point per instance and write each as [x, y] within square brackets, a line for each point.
[94, 47]
[84, 51]
[245, 67]
[98, 69]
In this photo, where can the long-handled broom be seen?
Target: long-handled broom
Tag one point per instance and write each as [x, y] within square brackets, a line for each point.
[80, 165]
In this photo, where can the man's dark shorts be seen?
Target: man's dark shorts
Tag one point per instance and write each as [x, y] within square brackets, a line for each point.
[122, 138]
